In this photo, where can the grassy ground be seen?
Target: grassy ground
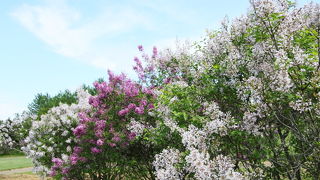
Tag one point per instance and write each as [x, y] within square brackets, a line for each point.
[14, 162]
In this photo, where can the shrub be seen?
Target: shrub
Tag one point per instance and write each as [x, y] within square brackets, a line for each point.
[260, 74]
[51, 137]
[106, 145]
[12, 133]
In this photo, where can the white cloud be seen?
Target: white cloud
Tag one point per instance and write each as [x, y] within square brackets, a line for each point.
[62, 28]
[100, 40]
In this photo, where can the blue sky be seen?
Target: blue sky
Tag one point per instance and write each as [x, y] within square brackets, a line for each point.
[53, 45]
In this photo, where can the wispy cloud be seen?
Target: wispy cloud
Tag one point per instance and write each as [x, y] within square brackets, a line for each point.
[62, 29]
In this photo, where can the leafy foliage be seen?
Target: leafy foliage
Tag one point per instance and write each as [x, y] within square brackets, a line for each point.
[43, 102]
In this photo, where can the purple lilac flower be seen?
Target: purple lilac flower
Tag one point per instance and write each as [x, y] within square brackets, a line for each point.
[65, 170]
[130, 89]
[131, 136]
[155, 52]
[57, 162]
[74, 159]
[140, 47]
[123, 112]
[100, 142]
[167, 80]
[150, 68]
[100, 111]
[147, 91]
[77, 149]
[139, 110]
[94, 101]
[150, 106]
[131, 106]
[83, 117]
[138, 62]
[99, 133]
[91, 141]
[52, 173]
[114, 79]
[139, 68]
[82, 159]
[111, 130]
[105, 89]
[143, 102]
[111, 75]
[116, 138]
[101, 96]
[95, 150]
[101, 124]
[79, 130]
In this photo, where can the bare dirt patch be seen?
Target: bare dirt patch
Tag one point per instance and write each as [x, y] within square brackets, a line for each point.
[19, 177]
[15, 171]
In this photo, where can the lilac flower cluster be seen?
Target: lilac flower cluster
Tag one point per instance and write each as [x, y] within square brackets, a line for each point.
[107, 125]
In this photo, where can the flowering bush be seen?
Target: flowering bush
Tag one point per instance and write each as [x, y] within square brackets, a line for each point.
[12, 133]
[270, 61]
[105, 136]
[51, 139]
[197, 128]
[168, 66]
[258, 79]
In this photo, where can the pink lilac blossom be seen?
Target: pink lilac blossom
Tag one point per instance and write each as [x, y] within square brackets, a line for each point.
[139, 110]
[95, 150]
[131, 106]
[77, 149]
[65, 171]
[140, 47]
[100, 142]
[74, 159]
[79, 130]
[57, 162]
[123, 112]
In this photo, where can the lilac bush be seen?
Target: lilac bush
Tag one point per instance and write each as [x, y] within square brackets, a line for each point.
[259, 76]
[106, 136]
[51, 140]
[12, 133]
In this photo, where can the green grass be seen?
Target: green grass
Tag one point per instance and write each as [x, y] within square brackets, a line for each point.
[12, 152]
[14, 162]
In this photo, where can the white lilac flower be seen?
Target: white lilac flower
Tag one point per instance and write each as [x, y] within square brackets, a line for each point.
[164, 165]
[194, 137]
[199, 163]
[65, 133]
[64, 157]
[136, 127]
